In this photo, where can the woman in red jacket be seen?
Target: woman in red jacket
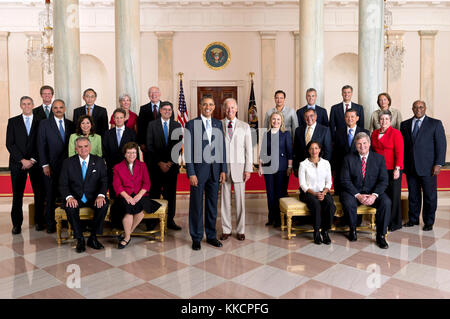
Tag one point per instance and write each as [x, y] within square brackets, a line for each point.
[388, 142]
[132, 183]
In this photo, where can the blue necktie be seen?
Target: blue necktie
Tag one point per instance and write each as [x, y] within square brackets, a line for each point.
[27, 124]
[47, 111]
[415, 130]
[119, 136]
[350, 137]
[61, 130]
[166, 132]
[83, 171]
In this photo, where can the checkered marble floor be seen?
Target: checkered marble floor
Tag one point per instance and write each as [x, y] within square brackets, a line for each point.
[265, 265]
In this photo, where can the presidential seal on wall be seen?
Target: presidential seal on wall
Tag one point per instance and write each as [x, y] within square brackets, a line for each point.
[216, 55]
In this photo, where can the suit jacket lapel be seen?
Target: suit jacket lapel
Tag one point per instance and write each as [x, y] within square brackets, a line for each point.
[423, 125]
[161, 129]
[90, 168]
[56, 129]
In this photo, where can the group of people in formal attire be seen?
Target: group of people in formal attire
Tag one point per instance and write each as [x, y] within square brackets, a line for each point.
[76, 163]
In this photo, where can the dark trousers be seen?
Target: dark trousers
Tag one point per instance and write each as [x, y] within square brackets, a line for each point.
[394, 192]
[165, 184]
[417, 185]
[211, 190]
[275, 184]
[51, 194]
[322, 212]
[18, 181]
[73, 216]
[382, 204]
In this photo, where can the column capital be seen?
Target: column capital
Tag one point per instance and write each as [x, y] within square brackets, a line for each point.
[33, 35]
[4, 34]
[395, 33]
[164, 35]
[427, 33]
[295, 34]
[268, 35]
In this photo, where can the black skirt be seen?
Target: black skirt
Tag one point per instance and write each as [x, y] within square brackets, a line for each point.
[145, 204]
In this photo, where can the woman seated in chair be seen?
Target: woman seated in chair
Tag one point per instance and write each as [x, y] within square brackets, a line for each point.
[315, 183]
[132, 183]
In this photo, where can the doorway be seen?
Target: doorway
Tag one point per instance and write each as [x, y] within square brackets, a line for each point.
[219, 95]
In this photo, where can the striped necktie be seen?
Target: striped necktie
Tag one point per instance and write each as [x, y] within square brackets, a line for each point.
[363, 166]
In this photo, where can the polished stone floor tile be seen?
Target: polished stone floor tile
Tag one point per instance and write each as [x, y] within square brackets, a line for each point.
[396, 250]
[399, 289]
[270, 280]
[144, 291]
[26, 283]
[53, 256]
[153, 267]
[169, 243]
[333, 253]
[85, 266]
[443, 223]
[258, 232]
[58, 292]
[260, 252]
[442, 245]
[340, 238]
[186, 255]
[231, 290]
[33, 246]
[437, 232]
[425, 275]
[116, 257]
[227, 265]
[406, 239]
[231, 244]
[7, 253]
[301, 264]
[364, 261]
[187, 282]
[292, 245]
[434, 258]
[313, 289]
[15, 266]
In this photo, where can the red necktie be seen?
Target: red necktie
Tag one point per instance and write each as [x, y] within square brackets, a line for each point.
[347, 107]
[230, 129]
[363, 166]
[155, 113]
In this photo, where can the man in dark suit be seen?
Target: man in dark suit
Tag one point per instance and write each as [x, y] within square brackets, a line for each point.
[311, 131]
[99, 114]
[364, 179]
[112, 143]
[53, 141]
[337, 112]
[322, 116]
[205, 157]
[425, 148]
[163, 164]
[83, 183]
[21, 142]
[344, 144]
[44, 111]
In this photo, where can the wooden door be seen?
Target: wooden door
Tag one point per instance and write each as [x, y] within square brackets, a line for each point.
[219, 95]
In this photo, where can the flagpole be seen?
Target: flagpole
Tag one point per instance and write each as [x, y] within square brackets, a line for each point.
[181, 161]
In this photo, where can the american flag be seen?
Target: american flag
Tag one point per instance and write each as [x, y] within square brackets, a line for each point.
[182, 115]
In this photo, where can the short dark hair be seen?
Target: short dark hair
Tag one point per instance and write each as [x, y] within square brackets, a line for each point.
[310, 110]
[87, 90]
[351, 110]
[206, 96]
[311, 90]
[46, 87]
[164, 103]
[345, 87]
[386, 95]
[59, 100]
[119, 110]
[79, 131]
[280, 91]
[308, 146]
[23, 98]
[130, 146]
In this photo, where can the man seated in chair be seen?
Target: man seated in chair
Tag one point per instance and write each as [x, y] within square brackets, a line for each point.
[83, 183]
[364, 179]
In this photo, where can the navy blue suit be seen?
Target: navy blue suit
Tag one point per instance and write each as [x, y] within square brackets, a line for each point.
[322, 116]
[275, 170]
[375, 181]
[421, 155]
[53, 150]
[321, 134]
[207, 170]
[337, 117]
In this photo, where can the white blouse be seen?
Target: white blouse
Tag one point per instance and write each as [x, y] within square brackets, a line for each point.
[313, 177]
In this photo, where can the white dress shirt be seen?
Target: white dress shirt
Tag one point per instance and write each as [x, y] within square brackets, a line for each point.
[349, 106]
[313, 127]
[313, 177]
[57, 123]
[414, 122]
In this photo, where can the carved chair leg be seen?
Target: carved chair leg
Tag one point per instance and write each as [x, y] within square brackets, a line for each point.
[162, 227]
[58, 231]
[289, 226]
[283, 224]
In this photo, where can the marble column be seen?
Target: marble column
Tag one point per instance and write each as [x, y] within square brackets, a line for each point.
[35, 74]
[370, 55]
[268, 74]
[298, 94]
[4, 96]
[128, 75]
[394, 73]
[66, 38]
[165, 64]
[427, 68]
[311, 48]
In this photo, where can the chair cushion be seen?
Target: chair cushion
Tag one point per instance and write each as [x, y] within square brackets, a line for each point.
[294, 206]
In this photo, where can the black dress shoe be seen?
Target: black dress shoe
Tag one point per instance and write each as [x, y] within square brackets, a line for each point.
[196, 245]
[381, 242]
[121, 246]
[276, 224]
[39, 227]
[410, 224]
[214, 242]
[317, 238]
[325, 237]
[81, 247]
[51, 229]
[427, 227]
[352, 235]
[16, 230]
[394, 228]
[94, 243]
[173, 226]
[269, 223]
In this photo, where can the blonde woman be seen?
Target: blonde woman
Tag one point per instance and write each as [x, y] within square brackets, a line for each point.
[384, 101]
[275, 162]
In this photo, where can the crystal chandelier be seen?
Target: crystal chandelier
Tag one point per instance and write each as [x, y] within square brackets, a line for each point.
[44, 53]
[393, 46]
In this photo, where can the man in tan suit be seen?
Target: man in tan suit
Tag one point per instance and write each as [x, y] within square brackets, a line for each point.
[238, 143]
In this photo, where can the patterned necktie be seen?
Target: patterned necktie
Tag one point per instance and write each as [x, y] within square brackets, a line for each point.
[27, 124]
[363, 166]
[350, 137]
[347, 106]
[83, 171]
[88, 110]
[415, 130]
[47, 111]
[308, 135]
[61, 130]
[155, 112]
[230, 129]
[119, 135]
[166, 133]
